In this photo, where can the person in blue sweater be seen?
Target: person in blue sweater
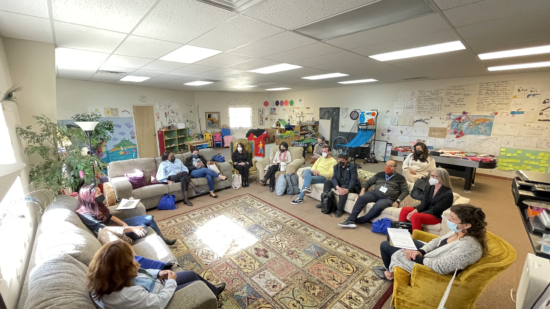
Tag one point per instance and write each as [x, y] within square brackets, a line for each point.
[172, 170]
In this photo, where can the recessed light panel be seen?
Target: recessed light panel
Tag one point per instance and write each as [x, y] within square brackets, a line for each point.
[135, 79]
[278, 89]
[324, 76]
[520, 66]
[358, 81]
[75, 59]
[190, 54]
[198, 83]
[276, 68]
[516, 52]
[420, 51]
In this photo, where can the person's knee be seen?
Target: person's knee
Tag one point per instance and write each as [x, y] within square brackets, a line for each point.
[384, 245]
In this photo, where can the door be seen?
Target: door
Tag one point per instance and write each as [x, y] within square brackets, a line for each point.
[146, 134]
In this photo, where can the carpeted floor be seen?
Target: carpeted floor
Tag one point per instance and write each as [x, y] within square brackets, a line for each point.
[493, 195]
[270, 259]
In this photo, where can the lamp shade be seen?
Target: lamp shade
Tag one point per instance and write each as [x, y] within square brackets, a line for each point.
[87, 125]
[8, 174]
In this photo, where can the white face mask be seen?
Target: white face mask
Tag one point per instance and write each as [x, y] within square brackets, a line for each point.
[324, 154]
[239, 148]
[433, 181]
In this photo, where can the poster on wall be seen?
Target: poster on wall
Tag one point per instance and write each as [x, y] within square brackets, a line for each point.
[212, 120]
[97, 110]
[471, 125]
[261, 116]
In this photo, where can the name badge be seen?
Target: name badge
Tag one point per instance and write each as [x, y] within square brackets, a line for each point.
[383, 189]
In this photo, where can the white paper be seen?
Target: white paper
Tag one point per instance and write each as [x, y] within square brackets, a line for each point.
[403, 139]
[409, 95]
[394, 120]
[416, 139]
[399, 105]
[454, 143]
[493, 96]
[439, 143]
[386, 121]
[405, 120]
[439, 122]
[401, 238]
[421, 121]
[430, 141]
[400, 96]
[127, 204]
[420, 131]
[543, 143]
[410, 108]
[403, 130]
[447, 291]
[97, 110]
[394, 130]
[533, 130]
[526, 105]
[507, 141]
[525, 142]
[522, 91]
[482, 144]
[397, 112]
[506, 129]
[522, 117]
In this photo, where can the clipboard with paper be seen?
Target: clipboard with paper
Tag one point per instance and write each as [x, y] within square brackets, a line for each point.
[401, 238]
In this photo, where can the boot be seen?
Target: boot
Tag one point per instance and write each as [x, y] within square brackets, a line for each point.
[197, 191]
[263, 181]
[167, 241]
[186, 200]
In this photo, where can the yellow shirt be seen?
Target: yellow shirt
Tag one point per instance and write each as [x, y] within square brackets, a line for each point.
[325, 166]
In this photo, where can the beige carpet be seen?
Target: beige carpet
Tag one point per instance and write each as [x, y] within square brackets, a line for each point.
[493, 195]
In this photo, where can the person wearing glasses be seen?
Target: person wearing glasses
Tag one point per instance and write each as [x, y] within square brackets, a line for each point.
[438, 197]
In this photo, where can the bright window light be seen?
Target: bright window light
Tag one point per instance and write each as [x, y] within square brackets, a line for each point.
[420, 51]
[520, 66]
[135, 79]
[276, 68]
[516, 52]
[358, 81]
[190, 54]
[323, 76]
[74, 59]
[198, 83]
[278, 89]
[240, 117]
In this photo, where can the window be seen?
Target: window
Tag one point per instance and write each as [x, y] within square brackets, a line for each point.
[240, 117]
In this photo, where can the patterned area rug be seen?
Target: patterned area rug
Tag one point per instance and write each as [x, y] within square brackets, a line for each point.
[270, 259]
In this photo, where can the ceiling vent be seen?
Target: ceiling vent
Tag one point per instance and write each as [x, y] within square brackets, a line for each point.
[105, 72]
[416, 78]
[237, 6]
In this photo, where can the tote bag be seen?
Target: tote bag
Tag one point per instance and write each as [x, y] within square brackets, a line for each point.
[237, 181]
[381, 226]
[214, 167]
[167, 202]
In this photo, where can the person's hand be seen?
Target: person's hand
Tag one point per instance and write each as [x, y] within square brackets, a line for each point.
[411, 254]
[163, 274]
[412, 171]
[395, 204]
[362, 192]
[138, 230]
[315, 172]
[197, 164]
[172, 275]
[410, 214]
[344, 191]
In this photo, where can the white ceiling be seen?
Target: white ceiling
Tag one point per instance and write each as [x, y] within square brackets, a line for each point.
[133, 35]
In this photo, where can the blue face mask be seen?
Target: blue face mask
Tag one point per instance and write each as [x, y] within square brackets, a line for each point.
[195, 156]
[453, 226]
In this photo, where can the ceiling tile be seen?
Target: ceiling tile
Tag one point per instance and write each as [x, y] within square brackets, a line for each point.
[402, 30]
[253, 64]
[115, 69]
[449, 65]
[106, 77]
[221, 72]
[194, 69]
[38, 8]
[223, 59]
[25, 27]
[324, 59]
[290, 14]
[275, 44]
[86, 38]
[303, 72]
[145, 47]
[493, 43]
[115, 15]
[308, 51]
[127, 61]
[353, 65]
[449, 4]
[77, 74]
[174, 77]
[181, 20]
[234, 33]
[145, 73]
[163, 66]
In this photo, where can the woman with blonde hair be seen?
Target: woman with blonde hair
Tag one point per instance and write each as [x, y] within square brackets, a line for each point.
[418, 164]
[116, 281]
[438, 197]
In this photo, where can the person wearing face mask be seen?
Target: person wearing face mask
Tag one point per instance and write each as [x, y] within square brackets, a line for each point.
[242, 162]
[277, 161]
[438, 197]
[390, 188]
[418, 164]
[318, 149]
[344, 180]
[322, 170]
[95, 215]
[463, 246]
[197, 169]
[172, 170]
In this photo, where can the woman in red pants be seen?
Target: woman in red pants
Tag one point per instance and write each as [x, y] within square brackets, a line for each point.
[438, 197]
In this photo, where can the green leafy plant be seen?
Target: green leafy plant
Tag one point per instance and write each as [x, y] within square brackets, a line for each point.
[101, 134]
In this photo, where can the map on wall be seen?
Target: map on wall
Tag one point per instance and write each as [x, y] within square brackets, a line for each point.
[471, 125]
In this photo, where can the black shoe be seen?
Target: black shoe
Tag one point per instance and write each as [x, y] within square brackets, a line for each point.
[188, 204]
[213, 196]
[271, 189]
[380, 271]
[338, 214]
[169, 242]
[169, 265]
[263, 182]
[318, 206]
[220, 288]
[348, 224]
[297, 201]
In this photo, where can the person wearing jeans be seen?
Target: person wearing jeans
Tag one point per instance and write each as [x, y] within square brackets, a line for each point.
[322, 170]
[172, 170]
[390, 188]
[197, 168]
[344, 180]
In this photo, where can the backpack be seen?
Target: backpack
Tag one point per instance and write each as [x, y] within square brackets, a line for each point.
[419, 188]
[292, 184]
[381, 226]
[218, 158]
[328, 202]
[167, 202]
[280, 185]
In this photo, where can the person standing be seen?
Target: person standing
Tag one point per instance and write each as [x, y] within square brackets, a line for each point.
[344, 180]
[197, 167]
[277, 161]
[322, 170]
[418, 164]
[242, 163]
[172, 170]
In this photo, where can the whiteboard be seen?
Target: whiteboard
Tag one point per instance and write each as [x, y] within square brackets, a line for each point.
[325, 128]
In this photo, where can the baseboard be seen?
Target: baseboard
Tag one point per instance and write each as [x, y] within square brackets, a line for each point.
[493, 176]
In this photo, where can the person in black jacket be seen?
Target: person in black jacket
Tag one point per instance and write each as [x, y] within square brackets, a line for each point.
[197, 169]
[390, 188]
[242, 162]
[344, 180]
[438, 197]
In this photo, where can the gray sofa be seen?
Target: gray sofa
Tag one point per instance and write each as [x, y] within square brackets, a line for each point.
[150, 195]
[63, 249]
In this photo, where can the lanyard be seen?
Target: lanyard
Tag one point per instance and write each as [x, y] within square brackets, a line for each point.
[388, 178]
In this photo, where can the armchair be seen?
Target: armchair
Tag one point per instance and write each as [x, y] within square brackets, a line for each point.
[296, 154]
[249, 148]
[424, 288]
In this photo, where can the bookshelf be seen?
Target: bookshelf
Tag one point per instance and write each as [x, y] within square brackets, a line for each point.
[174, 140]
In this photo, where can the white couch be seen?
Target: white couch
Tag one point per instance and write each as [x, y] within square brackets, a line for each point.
[390, 212]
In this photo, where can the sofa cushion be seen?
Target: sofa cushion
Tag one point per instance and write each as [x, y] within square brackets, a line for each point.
[53, 217]
[153, 180]
[207, 153]
[65, 202]
[153, 247]
[67, 239]
[59, 283]
[119, 168]
[149, 191]
[137, 179]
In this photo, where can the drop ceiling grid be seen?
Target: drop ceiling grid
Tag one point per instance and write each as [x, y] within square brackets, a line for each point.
[25, 27]
[308, 51]
[86, 38]
[145, 47]
[38, 8]
[275, 44]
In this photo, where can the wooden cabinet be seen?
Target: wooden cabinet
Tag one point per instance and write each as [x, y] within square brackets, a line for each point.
[305, 129]
[173, 140]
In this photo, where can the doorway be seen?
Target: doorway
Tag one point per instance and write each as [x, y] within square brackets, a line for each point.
[146, 134]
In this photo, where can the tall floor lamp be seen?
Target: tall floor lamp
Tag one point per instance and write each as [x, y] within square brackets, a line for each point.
[89, 127]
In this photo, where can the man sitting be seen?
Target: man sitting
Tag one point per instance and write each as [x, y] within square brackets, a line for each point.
[197, 168]
[319, 173]
[344, 180]
[390, 188]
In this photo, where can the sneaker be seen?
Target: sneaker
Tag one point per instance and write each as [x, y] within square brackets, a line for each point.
[307, 190]
[297, 201]
[348, 224]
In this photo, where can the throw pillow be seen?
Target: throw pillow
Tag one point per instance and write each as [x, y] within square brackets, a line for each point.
[137, 179]
[154, 179]
[109, 192]
[110, 234]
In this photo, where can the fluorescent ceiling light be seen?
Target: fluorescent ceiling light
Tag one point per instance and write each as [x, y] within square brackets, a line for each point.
[276, 68]
[323, 76]
[278, 89]
[190, 54]
[520, 66]
[198, 83]
[420, 51]
[74, 59]
[516, 52]
[357, 81]
[136, 79]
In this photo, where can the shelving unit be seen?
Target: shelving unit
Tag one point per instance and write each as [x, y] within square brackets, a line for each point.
[305, 129]
[173, 140]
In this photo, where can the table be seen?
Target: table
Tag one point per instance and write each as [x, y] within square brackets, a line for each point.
[192, 144]
[304, 144]
[457, 167]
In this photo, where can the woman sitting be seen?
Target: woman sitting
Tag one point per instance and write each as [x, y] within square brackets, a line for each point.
[438, 197]
[418, 164]
[116, 281]
[95, 215]
[464, 245]
[241, 161]
[277, 161]
[172, 170]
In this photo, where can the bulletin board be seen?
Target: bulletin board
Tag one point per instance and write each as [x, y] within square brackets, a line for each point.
[520, 159]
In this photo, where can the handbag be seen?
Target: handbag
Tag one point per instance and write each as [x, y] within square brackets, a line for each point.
[218, 158]
[213, 166]
[419, 188]
[167, 202]
[402, 225]
[237, 181]
[282, 166]
[328, 202]
[381, 226]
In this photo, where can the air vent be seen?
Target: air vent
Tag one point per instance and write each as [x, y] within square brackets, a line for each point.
[105, 72]
[416, 78]
[232, 5]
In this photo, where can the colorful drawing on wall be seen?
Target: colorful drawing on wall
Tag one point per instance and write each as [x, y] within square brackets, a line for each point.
[266, 103]
[273, 111]
[471, 125]
[261, 116]
[212, 120]
[291, 103]
[286, 102]
[276, 103]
